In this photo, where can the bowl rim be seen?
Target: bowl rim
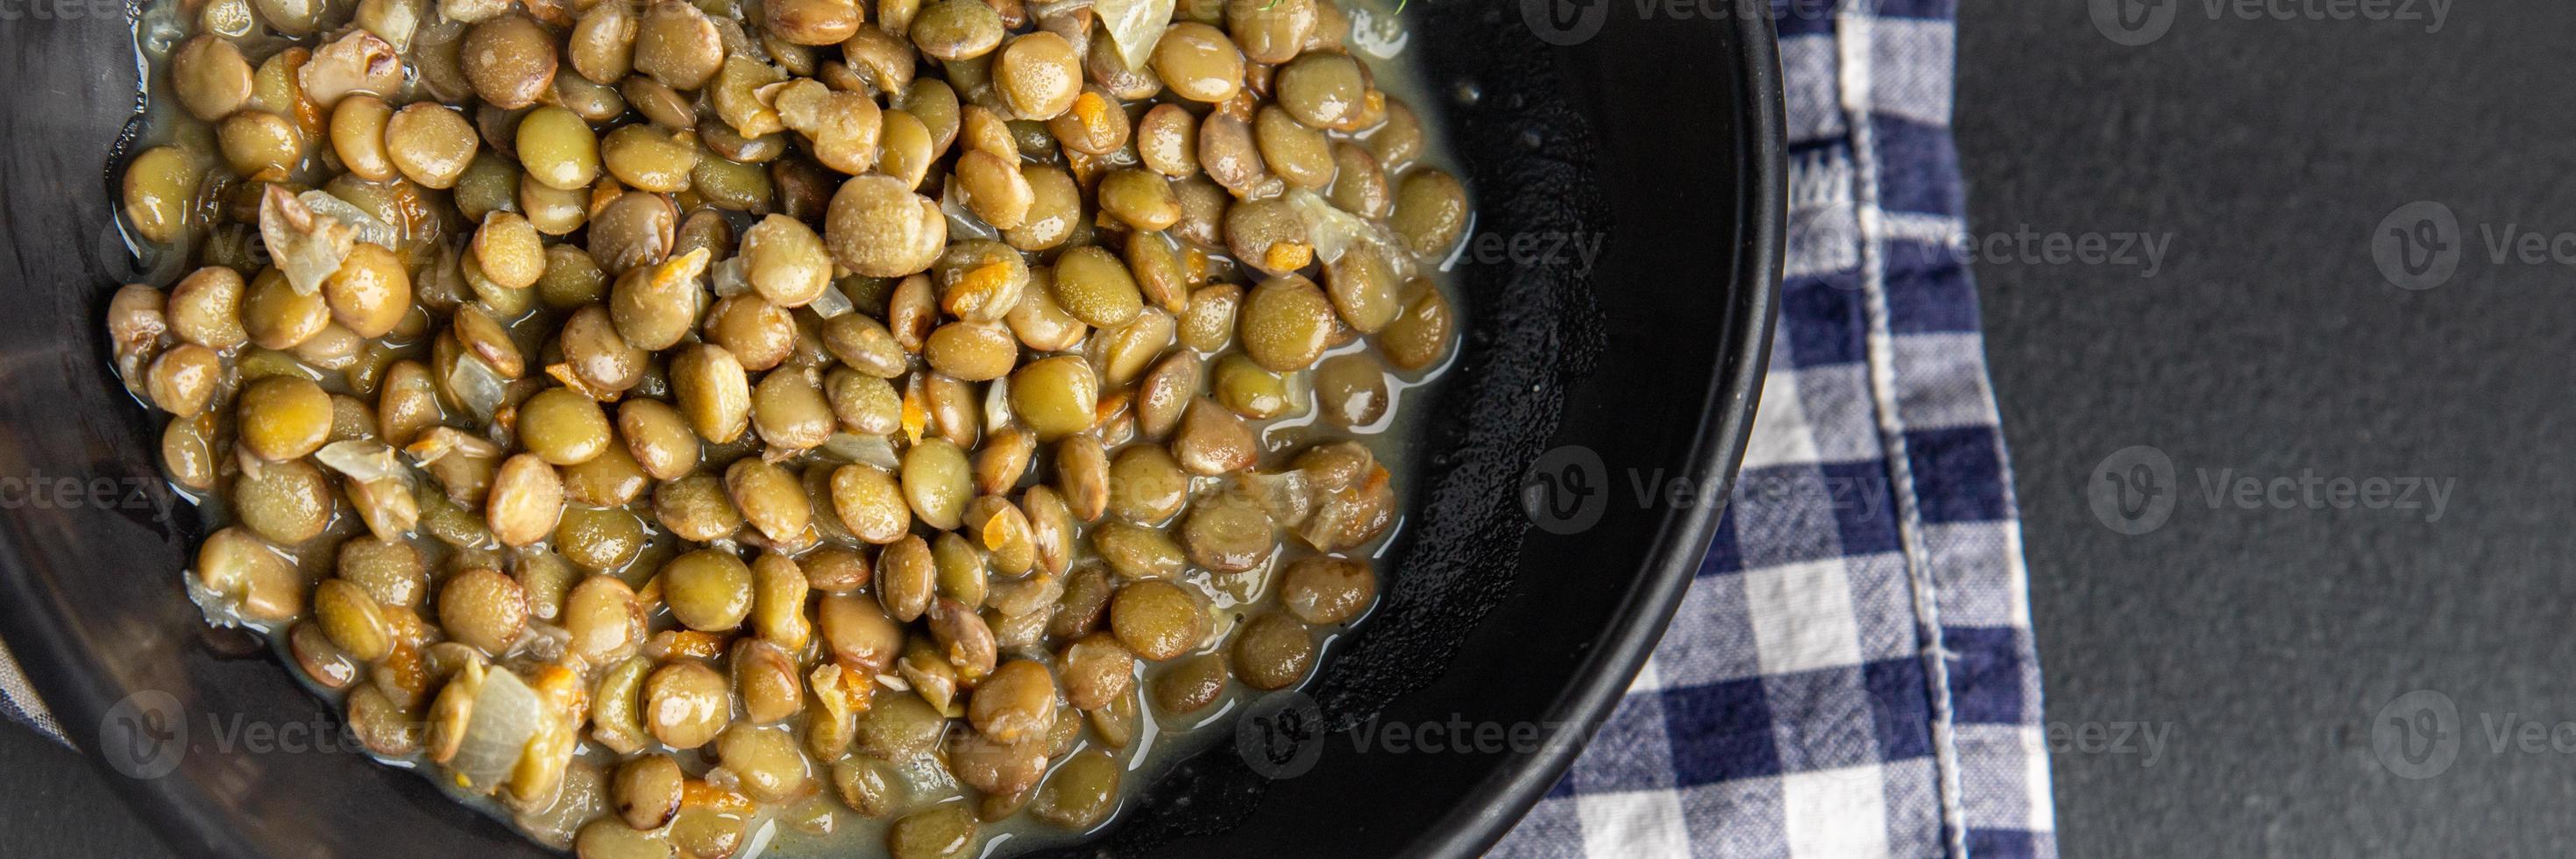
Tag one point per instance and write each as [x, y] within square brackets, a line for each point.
[78, 696]
[1682, 539]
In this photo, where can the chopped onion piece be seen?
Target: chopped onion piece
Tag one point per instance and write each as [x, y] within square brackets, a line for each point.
[831, 303]
[379, 485]
[507, 714]
[730, 279]
[544, 641]
[362, 460]
[873, 450]
[1381, 36]
[365, 226]
[1334, 231]
[1284, 494]
[307, 245]
[831, 690]
[221, 609]
[963, 223]
[441, 441]
[1134, 26]
[997, 404]
[1052, 8]
[477, 386]
[387, 506]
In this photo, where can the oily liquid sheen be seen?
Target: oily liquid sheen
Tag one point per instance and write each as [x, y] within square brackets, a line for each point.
[820, 825]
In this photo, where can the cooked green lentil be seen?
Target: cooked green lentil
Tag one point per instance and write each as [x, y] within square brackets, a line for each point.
[757, 424]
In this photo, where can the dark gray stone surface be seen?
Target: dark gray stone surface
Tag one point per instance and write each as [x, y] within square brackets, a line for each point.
[58, 805]
[2266, 640]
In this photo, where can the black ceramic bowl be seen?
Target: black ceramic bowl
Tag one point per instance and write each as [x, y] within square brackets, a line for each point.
[1664, 136]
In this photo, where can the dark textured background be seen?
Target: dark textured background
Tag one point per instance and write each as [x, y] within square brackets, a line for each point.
[2265, 641]
[2261, 643]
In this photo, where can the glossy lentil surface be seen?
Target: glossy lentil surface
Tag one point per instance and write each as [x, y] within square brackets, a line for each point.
[873, 426]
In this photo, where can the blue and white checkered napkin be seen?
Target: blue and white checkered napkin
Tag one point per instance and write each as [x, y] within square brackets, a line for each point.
[1852, 674]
